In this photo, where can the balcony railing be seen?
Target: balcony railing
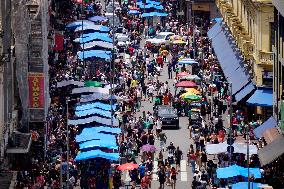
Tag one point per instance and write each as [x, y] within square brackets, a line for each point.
[266, 57]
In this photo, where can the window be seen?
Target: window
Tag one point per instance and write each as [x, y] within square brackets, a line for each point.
[272, 35]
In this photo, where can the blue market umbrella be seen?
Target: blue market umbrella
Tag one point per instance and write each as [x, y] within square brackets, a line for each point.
[93, 36]
[97, 18]
[187, 61]
[92, 27]
[149, 6]
[216, 19]
[94, 53]
[148, 2]
[77, 23]
[135, 12]
[151, 14]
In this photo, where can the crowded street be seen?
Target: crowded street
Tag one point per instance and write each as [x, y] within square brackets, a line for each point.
[140, 97]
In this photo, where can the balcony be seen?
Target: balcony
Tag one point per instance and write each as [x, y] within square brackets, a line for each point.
[266, 58]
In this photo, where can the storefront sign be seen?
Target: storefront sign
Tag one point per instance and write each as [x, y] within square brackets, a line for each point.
[58, 42]
[201, 7]
[36, 90]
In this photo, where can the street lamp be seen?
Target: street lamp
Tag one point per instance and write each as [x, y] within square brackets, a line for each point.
[67, 141]
[247, 133]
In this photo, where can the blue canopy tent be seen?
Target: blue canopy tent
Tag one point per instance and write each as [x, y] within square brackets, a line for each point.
[135, 12]
[94, 135]
[93, 44]
[243, 185]
[139, 3]
[149, 6]
[98, 96]
[77, 23]
[93, 36]
[111, 144]
[96, 154]
[98, 18]
[270, 123]
[106, 121]
[88, 133]
[92, 27]
[187, 61]
[261, 97]
[100, 105]
[94, 53]
[93, 111]
[235, 170]
[151, 14]
[216, 19]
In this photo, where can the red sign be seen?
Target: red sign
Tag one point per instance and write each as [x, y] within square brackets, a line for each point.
[58, 41]
[36, 90]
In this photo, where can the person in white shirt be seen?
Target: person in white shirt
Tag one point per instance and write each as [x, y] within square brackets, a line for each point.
[151, 89]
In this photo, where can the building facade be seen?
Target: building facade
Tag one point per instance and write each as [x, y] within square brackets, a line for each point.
[23, 82]
[195, 8]
[278, 49]
[249, 24]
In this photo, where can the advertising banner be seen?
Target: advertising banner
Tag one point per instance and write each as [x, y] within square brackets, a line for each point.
[36, 90]
[58, 42]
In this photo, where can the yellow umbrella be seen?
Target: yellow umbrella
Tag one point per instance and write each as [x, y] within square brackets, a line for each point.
[179, 42]
[193, 91]
[187, 93]
[175, 37]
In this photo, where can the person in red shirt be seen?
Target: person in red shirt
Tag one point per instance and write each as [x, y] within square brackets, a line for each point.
[146, 182]
[166, 99]
[173, 177]
[160, 61]
[131, 51]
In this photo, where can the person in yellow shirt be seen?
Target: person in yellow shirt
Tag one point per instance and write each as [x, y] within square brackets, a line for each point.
[134, 83]
[165, 54]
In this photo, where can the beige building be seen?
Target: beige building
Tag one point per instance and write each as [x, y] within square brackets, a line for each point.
[251, 22]
[278, 49]
[242, 41]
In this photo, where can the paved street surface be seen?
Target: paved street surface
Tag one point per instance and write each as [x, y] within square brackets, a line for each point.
[179, 137]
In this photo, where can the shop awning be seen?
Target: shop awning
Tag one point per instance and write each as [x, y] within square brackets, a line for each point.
[82, 90]
[111, 144]
[272, 151]
[99, 28]
[270, 135]
[97, 154]
[235, 170]
[270, 123]
[261, 97]
[107, 121]
[65, 83]
[94, 135]
[229, 57]
[100, 105]
[21, 143]
[222, 148]
[93, 111]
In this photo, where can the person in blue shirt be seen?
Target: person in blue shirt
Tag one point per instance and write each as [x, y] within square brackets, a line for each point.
[142, 170]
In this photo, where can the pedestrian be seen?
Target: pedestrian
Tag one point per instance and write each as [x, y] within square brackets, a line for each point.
[170, 74]
[163, 140]
[192, 161]
[173, 177]
[178, 158]
[162, 177]
[146, 181]
[168, 174]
